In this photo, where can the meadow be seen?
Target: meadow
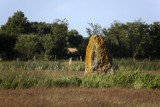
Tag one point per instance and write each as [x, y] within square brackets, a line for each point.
[58, 83]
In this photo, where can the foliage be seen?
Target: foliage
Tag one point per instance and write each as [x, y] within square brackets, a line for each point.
[133, 39]
[43, 65]
[59, 31]
[131, 74]
[132, 79]
[24, 79]
[17, 24]
[155, 39]
[40, 28]
[74, 38]
[118, 40]
[48, 45]
[28, 45]
[138, 37]
[94, 29]
[14, 80]
[62, 65]
[7, 43]
[131, 65]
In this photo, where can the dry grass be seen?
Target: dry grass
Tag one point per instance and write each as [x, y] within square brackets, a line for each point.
[48, 73]
[63, 73]
[79, 97]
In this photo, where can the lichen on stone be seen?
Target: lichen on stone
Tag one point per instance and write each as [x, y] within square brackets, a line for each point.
[97, 58]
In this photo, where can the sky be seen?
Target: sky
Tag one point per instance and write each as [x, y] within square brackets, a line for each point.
[81, 12]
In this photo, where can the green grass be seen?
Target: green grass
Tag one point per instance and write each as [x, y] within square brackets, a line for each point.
[129, 80]
[17, 80]
[25, 79]
[143, 65]
[63, 65]
[130, 74]
[43, 65]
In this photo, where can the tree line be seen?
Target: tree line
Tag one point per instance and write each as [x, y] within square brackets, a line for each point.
[24, 39]
[131, 39]
[137, 39]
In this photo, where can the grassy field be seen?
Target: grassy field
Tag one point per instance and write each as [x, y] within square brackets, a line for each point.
[56, 83]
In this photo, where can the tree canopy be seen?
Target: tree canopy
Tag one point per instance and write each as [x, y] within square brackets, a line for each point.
[21, 38]
[17, 24]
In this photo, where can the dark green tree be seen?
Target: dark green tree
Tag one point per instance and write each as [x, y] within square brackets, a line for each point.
[130, 39]
[48, 45]
[17, 24]
[118, 40]
[138, 37]
[28, 46]
[155, 38]
[59, 32]
[40, 28]
[7, 43]
[74, 38]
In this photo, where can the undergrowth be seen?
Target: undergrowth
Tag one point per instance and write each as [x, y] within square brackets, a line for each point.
[20, 74]
[17, 80]
[63, 65]
[43, 65]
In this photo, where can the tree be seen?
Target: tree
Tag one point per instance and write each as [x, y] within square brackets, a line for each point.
[17, 24]
[43, 43]
[28, 46]
[94, 29]
[82, 49]
[59, 32]
[59, 28]
[74, 38]
[155, 39]
[7, 43]
[48, 45]
[118, 39]
[40, 28]
[138, 37]
[130, 39]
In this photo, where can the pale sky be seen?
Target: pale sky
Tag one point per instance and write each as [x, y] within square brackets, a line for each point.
[80, 12]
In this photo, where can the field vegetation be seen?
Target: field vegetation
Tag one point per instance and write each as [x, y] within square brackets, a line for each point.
[56, 83]
[43, 74]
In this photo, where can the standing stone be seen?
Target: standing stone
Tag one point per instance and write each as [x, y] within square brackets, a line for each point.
[97, 58]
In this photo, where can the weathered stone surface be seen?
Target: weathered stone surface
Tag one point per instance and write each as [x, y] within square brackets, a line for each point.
[97, 58]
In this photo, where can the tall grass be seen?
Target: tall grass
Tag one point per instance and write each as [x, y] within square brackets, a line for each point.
[42, 65]
[143, 65]
[119, 64]
[19, 74]
[130, 80]
[24, 79]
